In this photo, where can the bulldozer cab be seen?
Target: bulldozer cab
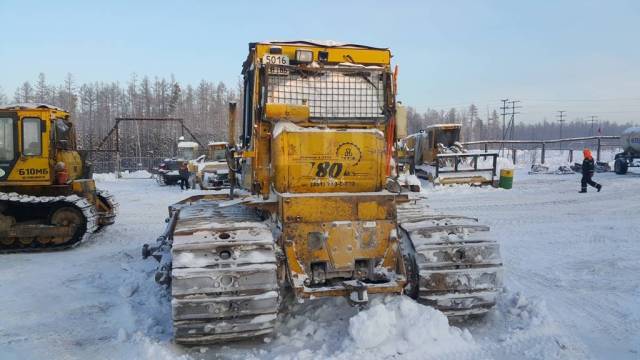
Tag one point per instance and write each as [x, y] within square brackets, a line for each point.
[33, 138]
[187, 150]
[445, 134]
[216, 151]
[295, 89]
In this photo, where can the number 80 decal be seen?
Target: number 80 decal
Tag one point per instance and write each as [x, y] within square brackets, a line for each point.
[324, 169]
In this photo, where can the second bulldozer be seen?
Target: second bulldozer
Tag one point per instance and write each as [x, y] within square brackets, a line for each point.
[47, 197]
[311, 213]
[436, 154]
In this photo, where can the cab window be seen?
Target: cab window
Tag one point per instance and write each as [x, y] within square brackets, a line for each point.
[31, 137]
[63, 134]
[6, 139]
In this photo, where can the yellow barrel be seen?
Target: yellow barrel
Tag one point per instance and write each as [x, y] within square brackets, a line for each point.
[506, 178]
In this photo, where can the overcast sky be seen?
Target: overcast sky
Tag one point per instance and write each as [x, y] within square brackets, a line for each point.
[578, 56]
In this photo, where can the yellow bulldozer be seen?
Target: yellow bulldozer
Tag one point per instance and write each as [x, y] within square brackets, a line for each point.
[437, 154]
[47, 197]
[310, 213]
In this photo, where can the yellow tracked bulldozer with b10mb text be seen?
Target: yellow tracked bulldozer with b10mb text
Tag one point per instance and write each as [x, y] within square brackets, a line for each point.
[47, 197]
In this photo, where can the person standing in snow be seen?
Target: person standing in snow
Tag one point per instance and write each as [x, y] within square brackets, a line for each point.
[184, 176]
[588, 168]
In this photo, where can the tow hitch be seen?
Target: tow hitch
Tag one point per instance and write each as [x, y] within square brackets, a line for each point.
[358, 295]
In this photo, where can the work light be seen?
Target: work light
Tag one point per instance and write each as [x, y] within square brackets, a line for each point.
[304, 56]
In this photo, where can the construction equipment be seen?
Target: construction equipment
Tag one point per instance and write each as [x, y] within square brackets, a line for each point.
[630, 141]
[437, 155]
[212, 171]
[48, 199]
[310, 212]
[168, 170]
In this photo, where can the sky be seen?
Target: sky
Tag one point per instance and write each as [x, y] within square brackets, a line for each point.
[579, 56]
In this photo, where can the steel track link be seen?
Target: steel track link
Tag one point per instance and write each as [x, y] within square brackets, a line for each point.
[88, 211]
[113, 205]
[223, 279]
[457, 267]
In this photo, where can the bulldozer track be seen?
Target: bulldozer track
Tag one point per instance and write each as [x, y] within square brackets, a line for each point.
[457, 268]
[32, 244]
[223, 275]
[113, 205]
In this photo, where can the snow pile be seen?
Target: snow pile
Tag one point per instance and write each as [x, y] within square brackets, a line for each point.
[409, 179]
[403, 326]
[105, 177]
[111, 177]
[394, 326]
[138, 174]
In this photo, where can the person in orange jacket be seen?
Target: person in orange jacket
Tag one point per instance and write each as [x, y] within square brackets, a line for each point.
[588, 168]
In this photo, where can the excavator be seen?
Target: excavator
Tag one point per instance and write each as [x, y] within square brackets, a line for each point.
[314, 210]
[48, 200]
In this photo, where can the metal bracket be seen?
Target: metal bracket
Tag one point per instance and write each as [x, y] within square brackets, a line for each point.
[358, 295]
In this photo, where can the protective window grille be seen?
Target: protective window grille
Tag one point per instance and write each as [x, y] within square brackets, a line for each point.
[330, 93]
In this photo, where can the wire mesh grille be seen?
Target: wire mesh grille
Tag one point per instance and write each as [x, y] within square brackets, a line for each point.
[330, 93]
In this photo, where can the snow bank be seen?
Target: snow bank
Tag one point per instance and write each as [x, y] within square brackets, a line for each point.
[138, 174]
[110, 177]
[105, 177]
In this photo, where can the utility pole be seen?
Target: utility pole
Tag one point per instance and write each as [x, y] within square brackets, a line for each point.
[512, 122]
[561, 120]
[504, 116]
[504, 123]
[592, 121]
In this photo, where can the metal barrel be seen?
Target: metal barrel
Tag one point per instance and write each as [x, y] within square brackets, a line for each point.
[506, 178]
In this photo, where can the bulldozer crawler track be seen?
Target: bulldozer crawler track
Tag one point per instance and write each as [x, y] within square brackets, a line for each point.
[457, 268]
[31, 244]
[224, 275]
[107, 219]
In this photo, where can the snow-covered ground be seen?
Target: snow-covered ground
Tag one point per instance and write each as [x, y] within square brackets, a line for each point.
[571, 277]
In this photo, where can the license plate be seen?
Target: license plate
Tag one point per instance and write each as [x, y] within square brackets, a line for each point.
[276, 60]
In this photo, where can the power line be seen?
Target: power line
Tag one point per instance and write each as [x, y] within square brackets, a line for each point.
[561, 120]
[592, 121]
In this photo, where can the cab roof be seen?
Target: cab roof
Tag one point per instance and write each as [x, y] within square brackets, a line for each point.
[30, 106]
[371, 55]
[445, 126]
[319, 43]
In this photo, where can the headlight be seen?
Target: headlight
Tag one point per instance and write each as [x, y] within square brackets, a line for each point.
[304, 56]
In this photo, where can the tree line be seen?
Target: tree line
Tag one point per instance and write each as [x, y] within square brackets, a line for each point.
[95, 105]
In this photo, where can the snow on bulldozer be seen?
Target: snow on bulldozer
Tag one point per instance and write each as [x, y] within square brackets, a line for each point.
[436, 154]
[310, 213]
